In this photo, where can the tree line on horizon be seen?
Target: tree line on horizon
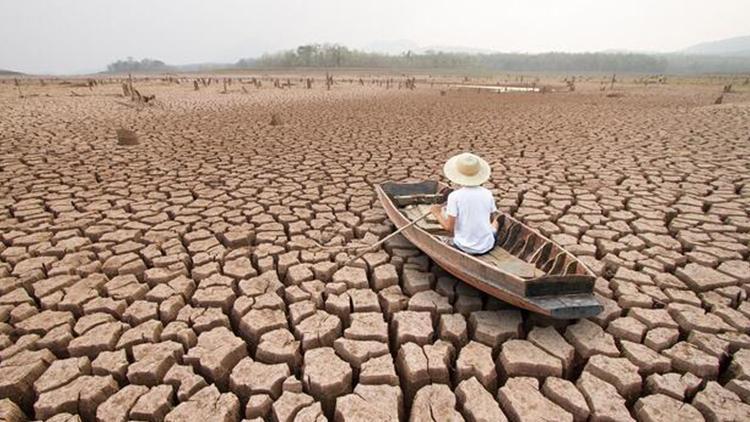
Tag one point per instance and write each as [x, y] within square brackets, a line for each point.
[132, 65]
[339, 56]
[334, 55]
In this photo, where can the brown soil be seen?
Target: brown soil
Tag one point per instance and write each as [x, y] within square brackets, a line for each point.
[179, 276]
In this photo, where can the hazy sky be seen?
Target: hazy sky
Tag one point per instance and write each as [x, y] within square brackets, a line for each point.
[69, 36]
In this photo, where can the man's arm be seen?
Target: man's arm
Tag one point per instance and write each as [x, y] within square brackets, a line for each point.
[448, 222]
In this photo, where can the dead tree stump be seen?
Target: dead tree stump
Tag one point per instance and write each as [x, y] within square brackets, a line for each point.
[571, 84]
[130, 86]
[126, 137]
[18, 87]
[329, 81]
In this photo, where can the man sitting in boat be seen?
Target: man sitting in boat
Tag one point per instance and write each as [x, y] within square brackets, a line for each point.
[468, 213]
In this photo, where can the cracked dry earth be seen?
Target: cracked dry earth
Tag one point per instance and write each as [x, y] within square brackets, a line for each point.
[178, 279]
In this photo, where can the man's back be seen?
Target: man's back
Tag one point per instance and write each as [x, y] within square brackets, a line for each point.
[472, 207]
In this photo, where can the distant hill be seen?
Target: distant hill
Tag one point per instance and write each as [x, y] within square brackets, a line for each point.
[201, 67]
[402, 46]
[157, 66]
[390, 46]
[4, 72]
[455, 49]
[737, 46]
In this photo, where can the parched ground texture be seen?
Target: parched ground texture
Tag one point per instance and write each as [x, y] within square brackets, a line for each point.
[180, 279]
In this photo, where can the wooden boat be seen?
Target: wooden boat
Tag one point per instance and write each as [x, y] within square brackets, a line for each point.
[524, 269]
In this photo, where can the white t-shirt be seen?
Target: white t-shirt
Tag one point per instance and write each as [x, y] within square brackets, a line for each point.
[472, 207]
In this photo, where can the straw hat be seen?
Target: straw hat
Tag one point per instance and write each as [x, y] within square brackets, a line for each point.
[467, 169]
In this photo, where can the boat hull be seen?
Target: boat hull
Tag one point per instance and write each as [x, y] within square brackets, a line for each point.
[492, 281]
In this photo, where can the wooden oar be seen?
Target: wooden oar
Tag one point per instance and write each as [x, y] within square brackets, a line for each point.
[369, 248]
